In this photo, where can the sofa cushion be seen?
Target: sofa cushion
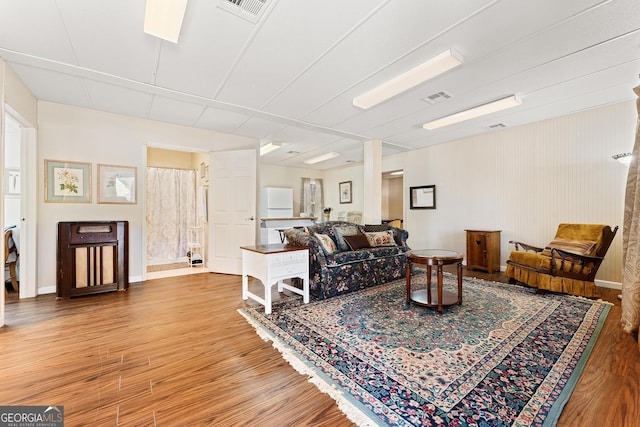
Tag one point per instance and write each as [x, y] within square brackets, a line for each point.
[338, 259]
[327, 243]
[344, 230]
[372, 228]
[381, 238]
[357, 241]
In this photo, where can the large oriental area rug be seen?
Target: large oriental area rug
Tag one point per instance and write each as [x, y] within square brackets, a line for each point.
[506, 356]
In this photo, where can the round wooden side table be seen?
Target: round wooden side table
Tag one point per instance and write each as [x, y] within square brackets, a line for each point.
[431, 257]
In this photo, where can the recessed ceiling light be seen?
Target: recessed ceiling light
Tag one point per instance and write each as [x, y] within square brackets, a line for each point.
[435, 66]
[322, 158]
[163, 18]
[269, 147]
[472, 113]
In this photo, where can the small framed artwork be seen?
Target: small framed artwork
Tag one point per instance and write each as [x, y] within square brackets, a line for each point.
[67, 182]
[116, 184]
[423, 197]
[345, 192]
[12, 182]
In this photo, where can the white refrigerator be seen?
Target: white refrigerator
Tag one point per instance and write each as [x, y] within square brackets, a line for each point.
[276, 202]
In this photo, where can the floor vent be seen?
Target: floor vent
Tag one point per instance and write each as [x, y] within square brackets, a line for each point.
[438, 97]
[247, 9]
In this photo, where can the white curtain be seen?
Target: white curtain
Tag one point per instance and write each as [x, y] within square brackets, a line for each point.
[631, 239]
[171, 209]
[312, 199]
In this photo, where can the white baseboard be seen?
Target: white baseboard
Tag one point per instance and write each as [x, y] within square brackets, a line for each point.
[607, 284]
[52, 289]
[47, 290]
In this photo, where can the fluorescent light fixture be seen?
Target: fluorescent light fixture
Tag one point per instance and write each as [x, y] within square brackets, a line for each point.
[397, 173]
[269, 147]
[492, 107]
[322, 158]
[163, 18]
[435, 66]
[624, 158]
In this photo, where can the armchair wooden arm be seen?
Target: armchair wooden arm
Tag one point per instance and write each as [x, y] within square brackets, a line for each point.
[574, 266]
[526, 247]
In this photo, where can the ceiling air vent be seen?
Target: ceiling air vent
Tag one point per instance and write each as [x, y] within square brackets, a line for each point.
[247, 9]
[497, 126]
[438, 97]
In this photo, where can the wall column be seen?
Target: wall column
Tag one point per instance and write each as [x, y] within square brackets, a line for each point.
[372, 182]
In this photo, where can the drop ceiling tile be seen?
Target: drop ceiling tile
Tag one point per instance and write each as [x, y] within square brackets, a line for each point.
[221, 120]
[53, 86]
[174, 111]
[119, 100]
[210, 42]
[34, 27]
[109, 37]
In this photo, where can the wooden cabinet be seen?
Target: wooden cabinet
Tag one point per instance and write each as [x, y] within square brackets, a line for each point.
[92, 257]
[483, 250]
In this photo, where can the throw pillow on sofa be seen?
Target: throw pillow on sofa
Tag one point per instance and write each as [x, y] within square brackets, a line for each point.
[344, 230]
[381, 238]
[327, 243]
[357, 241]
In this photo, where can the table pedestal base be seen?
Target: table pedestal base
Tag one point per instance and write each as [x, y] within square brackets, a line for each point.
[425, 297]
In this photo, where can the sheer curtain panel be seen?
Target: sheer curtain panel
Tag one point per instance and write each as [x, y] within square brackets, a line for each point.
[631, 239]
[170, 211]
[312, 200]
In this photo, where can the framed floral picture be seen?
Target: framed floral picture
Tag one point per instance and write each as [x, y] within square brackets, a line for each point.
[67, 182]
[117, 184]
[345, 192]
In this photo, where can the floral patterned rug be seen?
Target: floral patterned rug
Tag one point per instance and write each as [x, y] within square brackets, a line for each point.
[506, 356]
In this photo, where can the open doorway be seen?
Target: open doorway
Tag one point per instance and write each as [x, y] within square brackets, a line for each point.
[12, 212]
[393, 198]
[176, 212]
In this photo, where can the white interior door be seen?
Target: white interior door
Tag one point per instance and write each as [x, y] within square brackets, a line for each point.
[232, 208]
[23, 207]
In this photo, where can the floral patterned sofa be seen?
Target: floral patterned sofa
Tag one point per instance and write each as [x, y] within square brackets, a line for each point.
[335, 269]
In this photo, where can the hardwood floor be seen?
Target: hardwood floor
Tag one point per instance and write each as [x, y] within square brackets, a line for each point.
[174, 351]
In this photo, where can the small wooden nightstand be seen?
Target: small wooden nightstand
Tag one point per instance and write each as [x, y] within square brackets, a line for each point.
[483, 250]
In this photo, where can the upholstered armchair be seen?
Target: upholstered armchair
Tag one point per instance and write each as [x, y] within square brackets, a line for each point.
[568, 264]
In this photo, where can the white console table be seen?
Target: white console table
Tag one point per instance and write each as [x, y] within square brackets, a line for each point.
[274, 263]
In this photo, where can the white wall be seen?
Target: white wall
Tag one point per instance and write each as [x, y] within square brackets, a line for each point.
[525, 181]
[80, 135]
[332, 181]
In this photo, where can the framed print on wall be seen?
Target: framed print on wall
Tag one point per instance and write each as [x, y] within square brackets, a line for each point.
[117, 184]
[423, 197]
[12, 182]
[67, 182]
[345, 192]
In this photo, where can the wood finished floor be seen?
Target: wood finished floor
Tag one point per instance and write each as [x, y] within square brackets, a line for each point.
[175, 352]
